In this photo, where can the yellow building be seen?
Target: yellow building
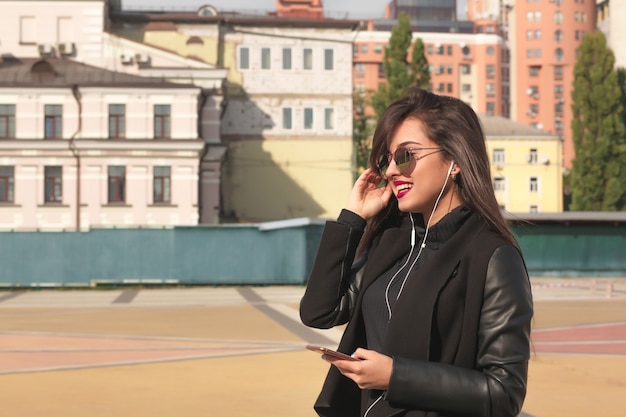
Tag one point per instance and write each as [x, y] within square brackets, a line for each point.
[526, 166]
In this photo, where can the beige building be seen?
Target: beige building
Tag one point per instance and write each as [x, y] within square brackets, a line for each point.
[287, 110]
[526, 166]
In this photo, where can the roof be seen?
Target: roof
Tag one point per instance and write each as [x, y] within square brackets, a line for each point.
[233, 19]
[58, 72]
[501, 126]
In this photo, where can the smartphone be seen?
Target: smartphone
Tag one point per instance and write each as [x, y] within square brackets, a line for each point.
[330, 352]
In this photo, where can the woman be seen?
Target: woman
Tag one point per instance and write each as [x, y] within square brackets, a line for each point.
[424, 270]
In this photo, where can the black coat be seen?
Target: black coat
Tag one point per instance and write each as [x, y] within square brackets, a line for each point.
[459, 335]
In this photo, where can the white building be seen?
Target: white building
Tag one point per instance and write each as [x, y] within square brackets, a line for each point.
[83, 142]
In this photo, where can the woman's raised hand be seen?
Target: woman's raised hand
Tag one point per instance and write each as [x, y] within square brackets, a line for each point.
[368, 197]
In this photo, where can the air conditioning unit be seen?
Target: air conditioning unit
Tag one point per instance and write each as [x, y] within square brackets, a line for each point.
[545, 160]
[499, 166]
[529, 91]
[127, 59]
[45, 49]
[66, 48]
[142, 58]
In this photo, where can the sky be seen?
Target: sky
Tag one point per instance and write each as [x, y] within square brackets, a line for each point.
[352, 9]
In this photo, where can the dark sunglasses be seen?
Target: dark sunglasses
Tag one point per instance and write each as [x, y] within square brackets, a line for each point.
[403, 158]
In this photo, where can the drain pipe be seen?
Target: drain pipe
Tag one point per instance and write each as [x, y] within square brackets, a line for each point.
[75, 153]
[205, 149]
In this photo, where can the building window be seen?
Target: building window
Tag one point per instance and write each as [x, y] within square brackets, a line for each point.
[538, 53]
[466, 69]
[162, 125]
[53, 121]
[117, 184]
[491, 71]
[498, 156]
[558, 108]
[378, 48]
[449, 69]
[449, 49]
[538, 34]
[558, 54]
[449, 88]
[499, 184]
[244, 58]
[533, 208]
[286, 58]
[491, 108]
[329, 60]
[329, 118]
[364, 48]
[7, 184]
[491, 50]
[558, 35]
[381, 71]
[162, 190]
[558, 72]
[490, 89]
[532, 156]
[558, 126]
[440, 49]
[558, 90]
[7, 121]
[429, 49]
[359, 68]
[265, 58]
[530, 34]
[53, 184]
[308, 118]
[466, 88]
[287, 121]
[307, 59]
[537, 16]
[117, 121]
[558, 17]
[533, 70]
[534, 184]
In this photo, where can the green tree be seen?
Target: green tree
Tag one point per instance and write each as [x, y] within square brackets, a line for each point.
[399, 72]
[420, 71]
[598, 177]
[361, 131]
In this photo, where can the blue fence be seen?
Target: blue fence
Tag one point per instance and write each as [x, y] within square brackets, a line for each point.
[270, 253]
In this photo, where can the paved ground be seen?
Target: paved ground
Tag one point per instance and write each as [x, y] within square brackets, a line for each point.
[240, 351]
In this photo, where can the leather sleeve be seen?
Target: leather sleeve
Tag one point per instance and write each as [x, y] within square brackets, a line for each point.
[498, 386]
[333, 284]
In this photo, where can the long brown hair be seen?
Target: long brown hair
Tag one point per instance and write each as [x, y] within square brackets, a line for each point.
[456, 129]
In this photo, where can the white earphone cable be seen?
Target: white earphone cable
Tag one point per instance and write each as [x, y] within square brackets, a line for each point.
[422, 246]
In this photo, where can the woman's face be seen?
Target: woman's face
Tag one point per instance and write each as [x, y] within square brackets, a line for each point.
[418, 172]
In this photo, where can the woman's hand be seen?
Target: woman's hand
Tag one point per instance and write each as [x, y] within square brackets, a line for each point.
[372, 371]
[367, 198]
